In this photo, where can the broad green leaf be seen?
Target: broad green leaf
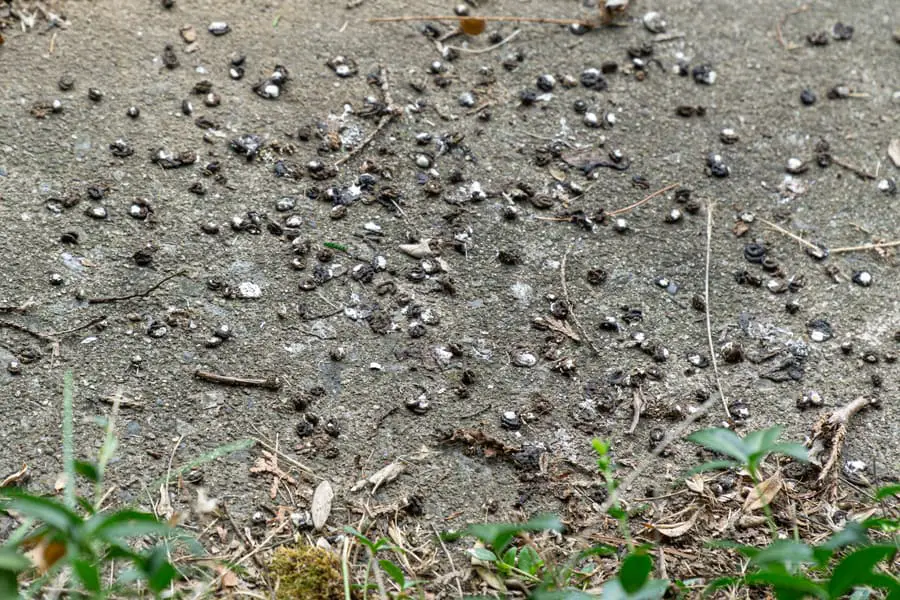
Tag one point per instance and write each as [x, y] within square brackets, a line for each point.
[723, 441]
[853, 534]
[652, 590]
[635, 571]
[126, 523]
[158, 570]
[483, 554]
[882, 524]
[11, 560]
[88, 470]
[718, 583]
[888, 490]
[87, 574]
[46, 510]
[529, 561]
[598, 550]
[499, 535]
[509, 557]
[9, 584]
[856, 568]
[787, 585]
[798, 452]
[394, 572]
[762, 440]
[783, 552]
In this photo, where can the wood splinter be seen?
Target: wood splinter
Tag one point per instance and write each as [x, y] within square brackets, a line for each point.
[827, 439]
[270, 383]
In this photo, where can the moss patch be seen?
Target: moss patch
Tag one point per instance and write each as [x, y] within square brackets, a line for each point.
[307, 573]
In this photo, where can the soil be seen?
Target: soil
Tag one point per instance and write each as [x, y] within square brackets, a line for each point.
[447, 333]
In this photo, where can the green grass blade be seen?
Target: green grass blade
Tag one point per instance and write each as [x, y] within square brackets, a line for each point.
[214, 454]
[68, 439]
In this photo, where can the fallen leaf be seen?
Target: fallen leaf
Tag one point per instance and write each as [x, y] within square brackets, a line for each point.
[740, 228]
[894, 151]
[14, 477]
[60, 483]
[674, 530]
[420, 250]
[490, 578]
[164, 508]
[695, 483]
[321, 504]
[46, 554]
[229, 579]
[764, 493]
[386, 475]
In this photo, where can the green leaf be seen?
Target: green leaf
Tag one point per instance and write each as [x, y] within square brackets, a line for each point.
[483, 554]
[652, 590]
[783, 552]
[635, 571]
[723, 441]
[598, 550]
[46, 510]
[9, 584]
[509, 557]
[798, 452]
[719, 583]
[88, 470]
[713, 465]
[87, 574]
[888, 490]
[788, 585]
[762, 440]
[126, 523]
[882, 524]
[853, 534]
[529, 561]
[158, 570]
[566, 594]
[12, 560]
[394, 572]
[499, 535]
[856, 568]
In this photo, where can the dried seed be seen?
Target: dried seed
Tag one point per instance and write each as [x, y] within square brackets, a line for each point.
[810, 399]
[728, 136]
[66, 83]
[218, 28]
[510, 420]
[808, 97]
[704, 74]
[795, 166]
[819, 330]
[95, 95]
[739, 411]
[732, 352]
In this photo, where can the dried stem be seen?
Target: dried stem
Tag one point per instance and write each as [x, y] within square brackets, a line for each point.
[866, 247]
[271, 383]
[500, 19]
[828, 435]
[712, 350]
[144, 294]
[793, 236]
[631, 207]
[780, 25]
[392, 111]
[502, 42]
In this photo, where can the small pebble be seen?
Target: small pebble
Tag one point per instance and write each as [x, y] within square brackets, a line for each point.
[219, 28]
[862, 278]
[728, 136]
[808, 97]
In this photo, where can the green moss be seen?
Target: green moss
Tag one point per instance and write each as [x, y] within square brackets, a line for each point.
[307, 573]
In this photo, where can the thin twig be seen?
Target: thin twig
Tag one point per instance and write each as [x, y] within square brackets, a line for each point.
[565, 289]
[793, 236]
[642, 201]
[143, 294]
[866, 247]
[853, 169]
[271, 448]
[780, 25]
[20, 309]
[449, 559]
[502, 42]
[392, 111]
[91, 323]
[500, 19]
[712, 350]
[270, 383]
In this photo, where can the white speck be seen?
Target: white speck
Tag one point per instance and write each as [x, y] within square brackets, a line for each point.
[249, 290]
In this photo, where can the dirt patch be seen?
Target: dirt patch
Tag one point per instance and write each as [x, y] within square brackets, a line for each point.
[411, 300]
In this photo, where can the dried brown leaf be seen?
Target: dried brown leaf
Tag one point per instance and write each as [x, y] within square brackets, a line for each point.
[321, 504]
[490, 578]
[695, 483]
[764, 493]
[674, 530]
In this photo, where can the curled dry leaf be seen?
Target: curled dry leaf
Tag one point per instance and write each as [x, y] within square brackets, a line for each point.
[763, 494]
[384, 475]
[204, 504]
[420, 250]
[164, 508]
[321, 504]
[674, 530]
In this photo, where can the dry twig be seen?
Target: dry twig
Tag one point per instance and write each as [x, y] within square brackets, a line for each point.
[712, 350]
[565, 289]
[144, 294]
[391, 112]
[780, 25]
[631, 207]
[270, 383]
[877, 246]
